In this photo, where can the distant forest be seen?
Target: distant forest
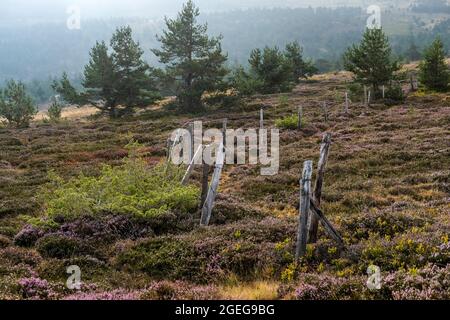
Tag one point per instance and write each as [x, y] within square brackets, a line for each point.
[36, 53]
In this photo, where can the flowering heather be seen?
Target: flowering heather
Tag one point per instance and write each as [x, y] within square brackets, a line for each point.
[118, 294]
[35, 288]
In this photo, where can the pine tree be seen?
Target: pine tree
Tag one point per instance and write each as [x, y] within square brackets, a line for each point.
[301, 69]
[371, 61]
[434, 72]
[272, 69]
[194, 61]
[16, 106]
[121, 77]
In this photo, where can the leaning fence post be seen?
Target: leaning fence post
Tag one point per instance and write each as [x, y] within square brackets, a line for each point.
[302, 234]
[209, 202]
[300, 117]
[313, 223]
[261, 119]
[205, 183]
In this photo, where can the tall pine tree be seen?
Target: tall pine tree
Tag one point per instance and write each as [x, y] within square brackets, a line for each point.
[194, 61]
[434, 72]
[120, 78]
[371, 61]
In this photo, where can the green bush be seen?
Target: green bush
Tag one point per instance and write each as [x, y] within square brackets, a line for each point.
[131, 188]
[289, 122]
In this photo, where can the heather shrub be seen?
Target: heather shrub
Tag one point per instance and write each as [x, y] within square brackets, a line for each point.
[379, 223]
[35, 288]
[58, 246]
[162, 258]
[324, 287]
[28, 236]
[429, 283]
[16, 256]
[179, 290]
[131, 188]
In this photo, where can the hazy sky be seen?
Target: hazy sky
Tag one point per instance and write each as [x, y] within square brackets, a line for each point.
[56, 9]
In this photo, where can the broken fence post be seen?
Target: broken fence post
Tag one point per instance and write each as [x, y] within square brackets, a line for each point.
[313, 222]
[326, 224]
[300, 117]
[191, 165]
[302, 233]
[209, 202]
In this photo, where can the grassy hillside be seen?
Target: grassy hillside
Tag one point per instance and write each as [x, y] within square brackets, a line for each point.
[386, 191]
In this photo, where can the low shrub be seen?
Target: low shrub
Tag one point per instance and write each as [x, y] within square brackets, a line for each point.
[131, 188]
[58, 246]
[289, 122]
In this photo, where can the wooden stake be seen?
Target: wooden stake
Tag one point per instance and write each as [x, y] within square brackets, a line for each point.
[209, 202]
[300, 117]
[368, 97]
[313, 223]
[205, 183]
[191, 133]
[224, 132]
[302, 234]
[384, 91]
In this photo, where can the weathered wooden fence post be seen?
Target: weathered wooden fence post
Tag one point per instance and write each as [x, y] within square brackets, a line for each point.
[369, 96]
[302, 234]
[205, 183]
[224, 132]
[209, 202]
[384, 91]
[313, 223]
[300, 118]
[261, 119]
[346, 103]
[191, 137]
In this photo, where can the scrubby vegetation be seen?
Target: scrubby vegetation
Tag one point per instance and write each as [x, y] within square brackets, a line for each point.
[133, 230]
[78, 192]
